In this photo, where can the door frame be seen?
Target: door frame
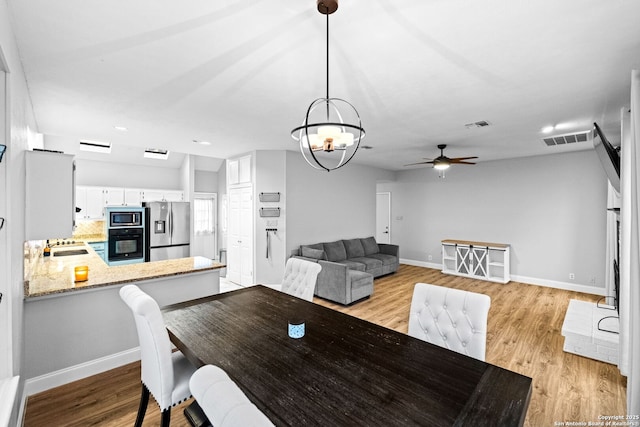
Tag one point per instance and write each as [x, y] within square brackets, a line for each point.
[6, 278]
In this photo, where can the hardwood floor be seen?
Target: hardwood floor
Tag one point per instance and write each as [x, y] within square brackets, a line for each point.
[523, 336]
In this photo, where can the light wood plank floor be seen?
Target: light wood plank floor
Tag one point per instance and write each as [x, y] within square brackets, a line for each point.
[523, 336]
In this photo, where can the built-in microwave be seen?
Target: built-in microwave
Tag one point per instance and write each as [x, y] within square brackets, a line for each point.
[125, 219]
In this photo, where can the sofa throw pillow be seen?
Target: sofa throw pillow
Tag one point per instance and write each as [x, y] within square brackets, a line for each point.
[335, 251]
[354, 248]
[370, 246]
[313, 253]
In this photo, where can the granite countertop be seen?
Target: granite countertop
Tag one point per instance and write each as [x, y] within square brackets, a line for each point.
[55, 274]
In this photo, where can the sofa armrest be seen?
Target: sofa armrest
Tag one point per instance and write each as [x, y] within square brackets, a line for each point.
[389, 249]
[333, 281]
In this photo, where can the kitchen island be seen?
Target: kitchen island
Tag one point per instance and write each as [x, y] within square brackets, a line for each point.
[77, 329]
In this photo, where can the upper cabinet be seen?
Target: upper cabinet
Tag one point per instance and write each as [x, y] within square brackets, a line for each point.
[50, 194]
[239, 170]
[114, 196]
[89, 202]
[162, 196]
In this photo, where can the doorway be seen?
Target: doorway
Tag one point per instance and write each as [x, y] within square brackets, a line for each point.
[383, 217]
[205, 212]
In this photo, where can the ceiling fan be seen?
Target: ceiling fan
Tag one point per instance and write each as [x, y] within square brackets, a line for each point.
[443, 162]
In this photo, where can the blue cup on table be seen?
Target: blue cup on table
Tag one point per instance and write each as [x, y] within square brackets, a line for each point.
[296, 328]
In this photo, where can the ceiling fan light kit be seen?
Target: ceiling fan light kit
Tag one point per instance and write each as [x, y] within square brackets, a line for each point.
[331, 132]
[442, 162]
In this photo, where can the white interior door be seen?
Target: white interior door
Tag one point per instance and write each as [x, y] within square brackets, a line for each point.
[240, 236]
[383, 217]
[205, 224]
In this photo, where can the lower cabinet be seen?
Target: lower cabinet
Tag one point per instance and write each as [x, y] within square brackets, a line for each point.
[100, 248]
[477, 260]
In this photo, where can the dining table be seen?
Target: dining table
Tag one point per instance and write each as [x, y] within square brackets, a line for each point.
[342, 371]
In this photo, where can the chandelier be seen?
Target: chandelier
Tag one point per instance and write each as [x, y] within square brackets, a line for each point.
[332, 130]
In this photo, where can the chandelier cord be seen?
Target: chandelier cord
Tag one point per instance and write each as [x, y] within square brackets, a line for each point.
[327, 66]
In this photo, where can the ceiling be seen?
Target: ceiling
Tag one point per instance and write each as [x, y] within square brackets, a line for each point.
[240, 74]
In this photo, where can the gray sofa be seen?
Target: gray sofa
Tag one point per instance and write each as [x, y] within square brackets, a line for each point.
[349, 267]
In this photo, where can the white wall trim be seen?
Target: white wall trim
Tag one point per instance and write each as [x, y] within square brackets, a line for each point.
[576, 287]
[421, 263]
[77, 372]
[559, 285]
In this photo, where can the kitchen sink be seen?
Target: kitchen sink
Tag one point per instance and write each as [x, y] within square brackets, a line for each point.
[71, 252]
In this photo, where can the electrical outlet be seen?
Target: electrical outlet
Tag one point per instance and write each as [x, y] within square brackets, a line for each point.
[572, 276]
[430, 257]
[592, 280]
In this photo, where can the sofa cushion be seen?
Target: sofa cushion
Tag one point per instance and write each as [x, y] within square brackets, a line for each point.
[386, 259]
[370, 246]
[353, 265]
[370, 262]
[310, 252]
[335, 251]
[354, 248]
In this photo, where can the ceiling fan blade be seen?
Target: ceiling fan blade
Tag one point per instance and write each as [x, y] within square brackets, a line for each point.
[420, 163]
[461, 162]
[464, 158]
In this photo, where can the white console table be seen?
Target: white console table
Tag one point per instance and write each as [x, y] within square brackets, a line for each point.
[583, 337]
[477, 260]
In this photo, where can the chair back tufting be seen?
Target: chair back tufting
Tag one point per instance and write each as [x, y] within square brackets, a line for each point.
[155, 346]
[300, 278]
[451, 318]
[222, 401]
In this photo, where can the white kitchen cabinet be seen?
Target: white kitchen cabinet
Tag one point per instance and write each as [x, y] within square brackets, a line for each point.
[91, 202]
[132, 197]
[239, 170]
[114, 196]
[50, 194]
[477, 260]
[162, 196]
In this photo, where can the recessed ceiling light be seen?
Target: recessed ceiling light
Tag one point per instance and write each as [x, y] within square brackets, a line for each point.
[95, 146]
[121, 128]
[156, 153]
[201, 142]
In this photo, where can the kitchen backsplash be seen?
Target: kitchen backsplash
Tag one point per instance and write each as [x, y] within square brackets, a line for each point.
[86, 229]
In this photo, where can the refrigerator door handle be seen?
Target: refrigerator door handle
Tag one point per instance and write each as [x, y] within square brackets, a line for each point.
[171, 224]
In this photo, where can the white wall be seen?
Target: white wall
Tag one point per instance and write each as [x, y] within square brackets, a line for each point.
[91, 172]
[205, 181]
[270, 178]
[21, 125]
[326, 206]
[550, 209]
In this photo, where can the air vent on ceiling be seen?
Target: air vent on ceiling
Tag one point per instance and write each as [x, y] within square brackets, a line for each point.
[156, 153]
[95, 146]
[480, 124]
[570, 138]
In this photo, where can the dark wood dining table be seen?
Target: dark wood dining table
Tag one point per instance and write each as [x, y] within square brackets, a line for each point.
[344, 371]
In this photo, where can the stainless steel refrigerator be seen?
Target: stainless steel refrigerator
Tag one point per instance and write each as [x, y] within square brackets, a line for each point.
[168, 228]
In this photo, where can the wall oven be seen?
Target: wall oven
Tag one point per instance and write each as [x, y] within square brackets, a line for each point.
[126, 235]
[126, 245]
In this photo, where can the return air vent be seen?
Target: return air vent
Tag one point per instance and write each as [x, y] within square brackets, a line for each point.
[570, 138]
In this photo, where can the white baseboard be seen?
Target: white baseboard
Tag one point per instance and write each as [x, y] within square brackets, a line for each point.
[421, 263]
[77, 372]
[567, 286]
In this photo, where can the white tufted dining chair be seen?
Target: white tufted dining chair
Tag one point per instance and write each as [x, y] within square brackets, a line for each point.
[165, 374]
[451, 318]
[299, 278]
[222, 401]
